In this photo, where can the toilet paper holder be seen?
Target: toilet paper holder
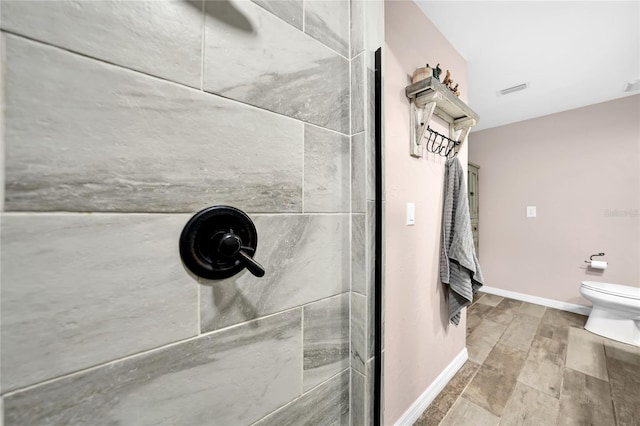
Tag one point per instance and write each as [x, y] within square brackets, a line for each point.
[592, 256]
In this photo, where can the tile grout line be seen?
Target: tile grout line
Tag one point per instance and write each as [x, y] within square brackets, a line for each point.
[202, 46]
[163, 79]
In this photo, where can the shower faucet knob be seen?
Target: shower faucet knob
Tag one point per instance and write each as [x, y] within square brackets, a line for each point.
[230, 246]
[218, 242]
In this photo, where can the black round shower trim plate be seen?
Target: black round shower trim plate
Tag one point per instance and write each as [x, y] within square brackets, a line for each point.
[218, 242]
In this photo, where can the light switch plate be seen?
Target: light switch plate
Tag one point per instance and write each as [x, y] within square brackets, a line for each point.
[411, 214]
[531, 211]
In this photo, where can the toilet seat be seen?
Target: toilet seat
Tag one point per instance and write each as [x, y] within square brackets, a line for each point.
[625, 291]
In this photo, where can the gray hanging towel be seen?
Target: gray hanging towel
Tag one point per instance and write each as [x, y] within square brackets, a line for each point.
[459, 266]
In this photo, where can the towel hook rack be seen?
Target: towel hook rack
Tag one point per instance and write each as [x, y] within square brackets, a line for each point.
[441, 148]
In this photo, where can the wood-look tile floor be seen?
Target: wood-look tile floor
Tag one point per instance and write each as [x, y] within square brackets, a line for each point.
[532, 365]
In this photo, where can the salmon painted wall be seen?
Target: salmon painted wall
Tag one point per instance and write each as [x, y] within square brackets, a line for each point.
[419, 342]
[581, 169]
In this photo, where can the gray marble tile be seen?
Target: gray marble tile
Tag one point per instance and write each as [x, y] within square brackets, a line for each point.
[371, 167]
[207, 380]
[79, 290]
[519, 334]
[357, 94]
[326, 171]
[326, 339]
[465, 412]
[100, 138]
[306, 258]
[290, 73]
[371, 324]
[328, 22]
[358, 254]
[370, 236]
[358, 332]
[585, 353]
[370, 389]
[585, 400]
[370, 122]
[529, 407]
[358, 395]
[289, 10]
[543, 368]
[161, 38]
[357, 26]
[328, 404]
[358, 173]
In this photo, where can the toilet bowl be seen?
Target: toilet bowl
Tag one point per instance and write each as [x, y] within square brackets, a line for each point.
[616, 311]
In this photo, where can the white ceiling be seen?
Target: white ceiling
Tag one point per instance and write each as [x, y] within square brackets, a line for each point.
[573, 53]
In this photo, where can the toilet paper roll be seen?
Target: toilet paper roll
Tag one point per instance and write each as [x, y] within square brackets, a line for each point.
[598, 264]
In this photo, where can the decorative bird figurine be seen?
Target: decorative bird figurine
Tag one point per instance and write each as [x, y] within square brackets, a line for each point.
[447, 80]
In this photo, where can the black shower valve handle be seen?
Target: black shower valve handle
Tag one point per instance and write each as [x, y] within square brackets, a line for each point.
[254, 267]
[230, 245]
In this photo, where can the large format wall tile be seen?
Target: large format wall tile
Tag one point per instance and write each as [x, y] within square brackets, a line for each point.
[357, 94]
[357, 26]
[162, 38]
[358, 173]
[326, 339]
[232, 377]
[290, 10]
[97, 137]
[358, 332]
[326, 170]
[328, 404]
[328, 22]
[275, 67]
[358, 395]
[306, 258]
[79, 290]
[358, 255]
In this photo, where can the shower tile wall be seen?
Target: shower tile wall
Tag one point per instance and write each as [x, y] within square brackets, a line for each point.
[121, 120]
[365, 39]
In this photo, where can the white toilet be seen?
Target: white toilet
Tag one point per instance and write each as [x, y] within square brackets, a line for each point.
[616, 311]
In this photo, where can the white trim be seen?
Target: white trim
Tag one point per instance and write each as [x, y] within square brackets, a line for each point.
[419, 405]
[563, 306]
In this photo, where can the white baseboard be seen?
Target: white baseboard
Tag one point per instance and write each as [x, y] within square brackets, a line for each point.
[427, 397]
[563, 306]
